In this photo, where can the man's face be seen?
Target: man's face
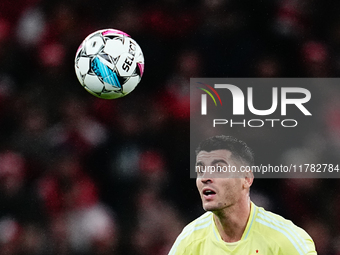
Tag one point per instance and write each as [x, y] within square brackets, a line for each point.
[223, 189]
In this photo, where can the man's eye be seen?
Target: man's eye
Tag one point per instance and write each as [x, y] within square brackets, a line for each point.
[218, 169]
[199, 170]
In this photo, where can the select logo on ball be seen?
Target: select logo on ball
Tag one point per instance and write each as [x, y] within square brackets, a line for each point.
[130, 58]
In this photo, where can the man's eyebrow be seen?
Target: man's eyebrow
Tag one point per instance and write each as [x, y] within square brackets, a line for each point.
[216, 161]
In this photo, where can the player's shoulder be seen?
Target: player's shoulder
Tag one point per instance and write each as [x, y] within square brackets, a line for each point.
[278, 224]
[198, 227]
[289, 237]
[196, 231]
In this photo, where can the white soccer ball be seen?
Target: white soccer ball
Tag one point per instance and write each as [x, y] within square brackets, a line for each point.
[109, 64]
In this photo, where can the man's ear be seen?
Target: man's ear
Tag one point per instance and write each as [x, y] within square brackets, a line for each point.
[248, 181]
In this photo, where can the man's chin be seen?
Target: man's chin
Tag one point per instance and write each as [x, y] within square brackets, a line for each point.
[210, 207]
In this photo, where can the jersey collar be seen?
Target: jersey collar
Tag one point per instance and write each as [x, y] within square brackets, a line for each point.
[253, 209]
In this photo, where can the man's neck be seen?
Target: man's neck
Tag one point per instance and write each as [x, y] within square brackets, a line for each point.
[232, 221]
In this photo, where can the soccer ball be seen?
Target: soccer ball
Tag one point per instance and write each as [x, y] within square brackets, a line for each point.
[109, 64]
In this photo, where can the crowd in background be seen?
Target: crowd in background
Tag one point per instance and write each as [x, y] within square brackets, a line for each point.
[82, 175]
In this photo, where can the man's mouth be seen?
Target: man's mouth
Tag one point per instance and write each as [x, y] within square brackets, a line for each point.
[208, 193]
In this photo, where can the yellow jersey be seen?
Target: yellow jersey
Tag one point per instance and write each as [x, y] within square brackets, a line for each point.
[266, 233]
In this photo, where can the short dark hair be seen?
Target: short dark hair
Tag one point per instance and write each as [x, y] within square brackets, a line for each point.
[238, 148]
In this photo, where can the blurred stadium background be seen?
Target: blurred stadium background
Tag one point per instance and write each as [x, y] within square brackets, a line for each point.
[80, 175]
